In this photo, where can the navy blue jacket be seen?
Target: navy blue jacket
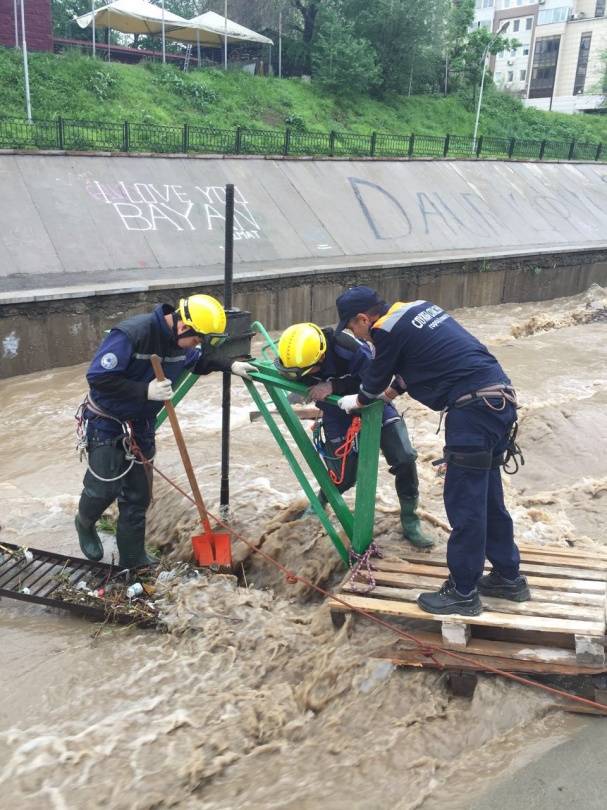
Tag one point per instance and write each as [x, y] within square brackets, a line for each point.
[344, 363]
[121, 371]
[436, 357]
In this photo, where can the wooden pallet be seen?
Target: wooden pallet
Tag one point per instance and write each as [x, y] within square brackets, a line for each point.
[561, 629]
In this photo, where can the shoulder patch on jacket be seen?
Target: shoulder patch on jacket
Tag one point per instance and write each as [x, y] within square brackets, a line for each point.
[109, 361]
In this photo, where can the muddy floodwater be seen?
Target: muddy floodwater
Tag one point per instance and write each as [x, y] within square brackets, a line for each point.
[252, 699]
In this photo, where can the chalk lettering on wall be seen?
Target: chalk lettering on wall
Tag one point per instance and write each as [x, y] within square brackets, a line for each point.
[357, 183]
[171, 207]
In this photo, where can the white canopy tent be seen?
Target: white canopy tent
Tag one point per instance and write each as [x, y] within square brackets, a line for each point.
[132, 17]
[212, 30]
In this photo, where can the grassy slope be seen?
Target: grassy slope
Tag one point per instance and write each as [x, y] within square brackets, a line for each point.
[78, 87]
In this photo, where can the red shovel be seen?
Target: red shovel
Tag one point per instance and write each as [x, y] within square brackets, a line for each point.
[212, 549]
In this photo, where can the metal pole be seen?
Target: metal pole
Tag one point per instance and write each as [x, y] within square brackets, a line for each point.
[225, 35]
[446, 72]
[164, 55]
[480, 98]
[16, 14]
[198, 48]
[280, 44]
[224, 493]
[480, 95]
[109, 47]
[26, 76]
[93, 24]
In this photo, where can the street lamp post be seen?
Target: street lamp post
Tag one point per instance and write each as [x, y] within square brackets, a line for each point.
[480, 95]
[26, 77]
[164, 52]
[225, 35]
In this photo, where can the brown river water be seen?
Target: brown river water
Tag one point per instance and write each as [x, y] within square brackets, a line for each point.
[252, 699]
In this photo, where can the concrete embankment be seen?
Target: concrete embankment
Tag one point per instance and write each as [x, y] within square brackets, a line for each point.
[88, 239]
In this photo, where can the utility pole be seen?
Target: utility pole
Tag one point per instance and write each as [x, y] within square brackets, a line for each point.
[93, 24]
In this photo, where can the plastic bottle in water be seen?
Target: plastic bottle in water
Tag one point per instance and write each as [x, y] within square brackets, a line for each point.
[134, 590]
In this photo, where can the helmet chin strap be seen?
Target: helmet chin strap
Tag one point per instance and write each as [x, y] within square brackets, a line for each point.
[176, 334]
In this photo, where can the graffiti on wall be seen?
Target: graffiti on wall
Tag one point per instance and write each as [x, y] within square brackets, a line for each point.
[172, 207]
[448, 213]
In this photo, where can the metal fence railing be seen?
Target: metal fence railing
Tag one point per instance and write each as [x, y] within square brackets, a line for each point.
[86, 136]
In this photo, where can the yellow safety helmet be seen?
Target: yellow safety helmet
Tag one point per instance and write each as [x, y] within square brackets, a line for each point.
[205, 316]
[301, 347]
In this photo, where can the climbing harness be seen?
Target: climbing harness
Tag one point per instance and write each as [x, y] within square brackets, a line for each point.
[128, 441]
[512, 459]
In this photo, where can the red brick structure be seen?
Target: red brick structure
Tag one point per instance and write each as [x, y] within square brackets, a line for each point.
[38, 24]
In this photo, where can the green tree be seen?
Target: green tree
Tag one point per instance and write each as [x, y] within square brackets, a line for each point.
[341, 61]
[468, 58]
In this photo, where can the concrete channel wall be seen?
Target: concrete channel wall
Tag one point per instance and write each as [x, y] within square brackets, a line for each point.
[87, 240]
[61, 331]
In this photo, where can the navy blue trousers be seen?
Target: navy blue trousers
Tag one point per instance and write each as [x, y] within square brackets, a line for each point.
[474, 499]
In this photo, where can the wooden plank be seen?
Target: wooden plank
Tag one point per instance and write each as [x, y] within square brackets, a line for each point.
[532, 608]
[541, 594]
[530, 555]
[551, 583]
[577, 551]
[391, 564]
[485, 619]
[482, 654]
[438, 558]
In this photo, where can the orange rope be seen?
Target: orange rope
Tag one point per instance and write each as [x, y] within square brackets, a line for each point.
[344, 450]
[428, 649]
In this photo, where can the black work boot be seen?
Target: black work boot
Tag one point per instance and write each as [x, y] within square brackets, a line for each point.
[494, 584]
[90, 542]
[449, 600]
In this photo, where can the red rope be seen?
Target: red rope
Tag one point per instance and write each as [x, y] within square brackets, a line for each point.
[426, 648]
[344, 450]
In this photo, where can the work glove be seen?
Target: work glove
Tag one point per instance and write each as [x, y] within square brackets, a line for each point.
[320, 391]
[242, 369]
[349, 403]
[160, 391]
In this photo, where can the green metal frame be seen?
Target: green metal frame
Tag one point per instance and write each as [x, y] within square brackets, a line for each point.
[357, 525]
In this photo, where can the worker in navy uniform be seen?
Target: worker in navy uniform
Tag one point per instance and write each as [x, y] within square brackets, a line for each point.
[122, 405]
[424, 351]
[332, 362]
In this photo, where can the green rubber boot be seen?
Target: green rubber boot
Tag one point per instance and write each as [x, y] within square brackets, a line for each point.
[411, 524]
[90, 542]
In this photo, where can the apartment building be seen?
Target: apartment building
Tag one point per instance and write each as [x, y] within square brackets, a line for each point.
[559, 63]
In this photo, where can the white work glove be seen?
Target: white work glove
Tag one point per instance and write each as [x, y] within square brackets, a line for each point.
[241, 368]
[349, 403]
[160, 391]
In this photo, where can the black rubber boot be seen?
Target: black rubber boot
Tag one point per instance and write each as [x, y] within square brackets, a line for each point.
[448, 600]
[90, 542]
[494, 584]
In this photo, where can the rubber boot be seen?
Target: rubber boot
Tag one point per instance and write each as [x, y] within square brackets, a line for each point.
[131, 549]
[411, 524]
[90, 542]
[309, 510]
